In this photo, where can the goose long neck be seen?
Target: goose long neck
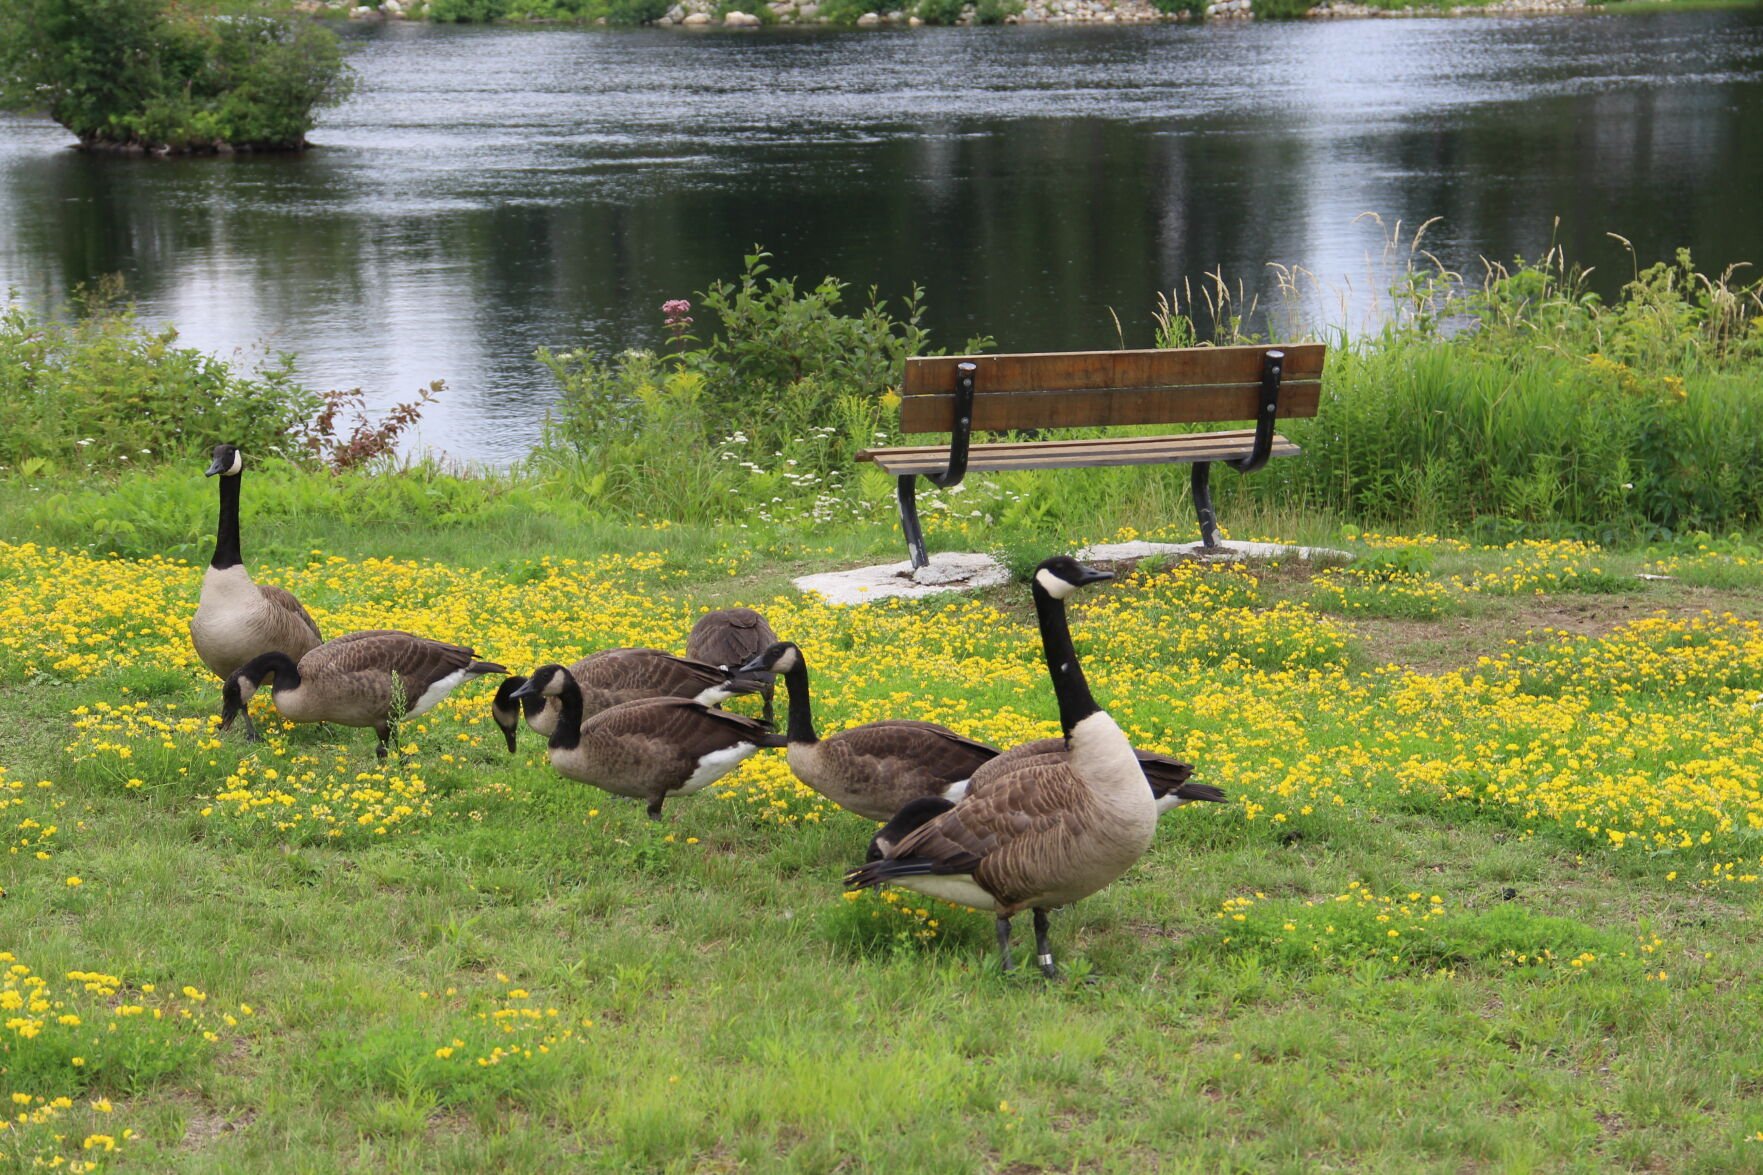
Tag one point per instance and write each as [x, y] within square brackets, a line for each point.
[801, 727]
[280, 665]
[226, 533]
[568, 734]
[1075, 700]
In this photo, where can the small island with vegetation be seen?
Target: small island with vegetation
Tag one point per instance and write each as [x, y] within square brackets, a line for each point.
[170, 77]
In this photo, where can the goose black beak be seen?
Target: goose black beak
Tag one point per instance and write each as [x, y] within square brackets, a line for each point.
[216, 468]
[754, 664]
[1089, 575]
[525, 691]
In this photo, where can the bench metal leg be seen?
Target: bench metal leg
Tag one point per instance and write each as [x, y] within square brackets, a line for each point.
[909, 521]
[1202, 483]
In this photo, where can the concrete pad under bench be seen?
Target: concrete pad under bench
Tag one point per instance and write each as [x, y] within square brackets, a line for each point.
[947, 572]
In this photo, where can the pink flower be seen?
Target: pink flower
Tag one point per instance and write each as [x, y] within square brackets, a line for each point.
[675, 310]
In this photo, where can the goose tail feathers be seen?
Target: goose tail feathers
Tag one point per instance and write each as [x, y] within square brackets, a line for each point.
[877, 873]
[482, 668]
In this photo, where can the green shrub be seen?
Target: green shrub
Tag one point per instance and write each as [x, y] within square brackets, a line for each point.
[1194, 8]
[775, 405]
[170, 77]
[1281, 9]
[995, 11]
[467, 11]
[104, 390]
[939, 11]
[847, 11]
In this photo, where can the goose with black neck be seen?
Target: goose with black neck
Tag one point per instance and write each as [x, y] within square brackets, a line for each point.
[1052, 830]
[237, 619]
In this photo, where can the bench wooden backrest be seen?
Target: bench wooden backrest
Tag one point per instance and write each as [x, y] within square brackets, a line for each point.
[1083, 389]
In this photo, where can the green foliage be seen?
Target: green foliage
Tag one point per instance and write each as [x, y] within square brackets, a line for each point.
[1194, 8]
[467, 11]
[105, 391]
[847, 11]
[1281, 9]
[776, 404]
[939, 11]
[995, 11]
[1552, 412]
[170, 77]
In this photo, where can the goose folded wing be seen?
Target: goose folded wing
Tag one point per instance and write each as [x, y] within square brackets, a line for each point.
[418, 661]
[1010, 835]
[283, 599]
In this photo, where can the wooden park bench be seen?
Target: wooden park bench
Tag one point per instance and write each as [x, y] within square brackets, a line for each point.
[1088, 389]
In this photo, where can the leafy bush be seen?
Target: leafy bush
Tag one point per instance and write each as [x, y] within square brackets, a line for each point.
[156, 75]
[847, 11]
[105, 390]
[996, 11]
[939, 11]
[1194, 8]
[1281, 9]
[467, 11]
[776, 403]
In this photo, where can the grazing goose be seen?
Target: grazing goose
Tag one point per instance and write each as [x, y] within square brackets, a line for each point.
[647, 749]
[873, 769]
[729, 637]
[235, 618]
[613, 676]
[1048, 832]
[1168, 778]
[371, 678]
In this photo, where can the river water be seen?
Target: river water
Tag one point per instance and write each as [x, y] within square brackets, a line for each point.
[488, 191]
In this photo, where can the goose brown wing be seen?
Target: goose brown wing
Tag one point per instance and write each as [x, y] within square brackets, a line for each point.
[729, 637]
[676, 728]
[909, 745]
[645, 672]
[1013, 837]
[418, 661]
[284, 602]
[1009, 760]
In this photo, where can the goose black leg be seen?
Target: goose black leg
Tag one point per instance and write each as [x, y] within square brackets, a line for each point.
[770, 717]
[655, 807]
[251, 735]
[1044, 949]
[1005, 962]
[385, 733]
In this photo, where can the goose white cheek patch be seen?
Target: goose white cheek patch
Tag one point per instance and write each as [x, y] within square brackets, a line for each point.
[1053, 585]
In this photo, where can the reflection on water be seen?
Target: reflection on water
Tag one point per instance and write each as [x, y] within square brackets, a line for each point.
[492, 190]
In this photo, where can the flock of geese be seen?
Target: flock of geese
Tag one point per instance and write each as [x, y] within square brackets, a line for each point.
[1034, 827]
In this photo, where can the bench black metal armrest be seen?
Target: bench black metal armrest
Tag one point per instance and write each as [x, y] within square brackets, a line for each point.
[961, 436]
[1266, 417]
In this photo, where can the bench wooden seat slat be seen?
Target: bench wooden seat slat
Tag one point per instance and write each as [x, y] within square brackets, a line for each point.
[957, 394]
[1185, 447]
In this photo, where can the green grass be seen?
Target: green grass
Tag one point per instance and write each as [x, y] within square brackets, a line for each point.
[745, 1016]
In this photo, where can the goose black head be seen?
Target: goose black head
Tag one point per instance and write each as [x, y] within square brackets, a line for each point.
[506, 710]
[547, 681]
[228, 461]
[779, 658]
[1061, 575]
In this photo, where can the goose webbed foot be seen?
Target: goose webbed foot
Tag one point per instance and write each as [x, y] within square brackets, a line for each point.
[655, 807]
[251, 735]
[386, 734]
[1005, 963]
[1044, 949]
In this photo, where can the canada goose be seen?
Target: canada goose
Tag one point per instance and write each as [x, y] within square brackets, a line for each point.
[1049, 832]
[727, 638]
[873, 769]
[373, 678]
[1168, 778]
[235, 618]
[612, 676]
[648, 749]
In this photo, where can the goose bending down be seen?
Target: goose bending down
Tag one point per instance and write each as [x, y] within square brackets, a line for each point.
[1168, 778]
[728, 638]
[613, 676]
[371, 678]
[1049, 831]
[648, 749]
[235, 618]
[877, 768]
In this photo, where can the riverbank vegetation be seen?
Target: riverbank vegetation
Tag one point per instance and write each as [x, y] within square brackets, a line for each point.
[165, 77]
